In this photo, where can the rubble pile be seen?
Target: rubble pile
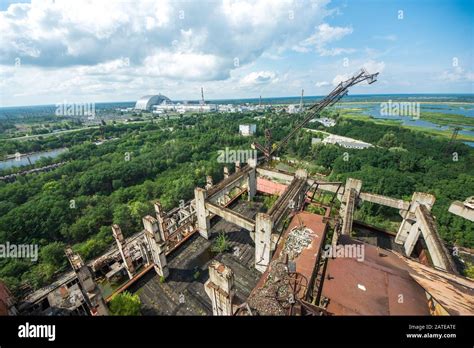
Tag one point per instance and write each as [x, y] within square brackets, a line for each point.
[299, 238]
[265, 299]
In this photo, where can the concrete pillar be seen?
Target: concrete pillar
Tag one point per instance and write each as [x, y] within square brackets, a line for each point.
[409, 217]
[209, 182]
[226, 172]
[156, 244]
[203, 221]
[124, 250]
[161, 217]
[144, 251]
[252, 162]
[263, 241]
[412, 238]
[219, 288]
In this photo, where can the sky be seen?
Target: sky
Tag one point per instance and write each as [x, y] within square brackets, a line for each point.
[56, 51]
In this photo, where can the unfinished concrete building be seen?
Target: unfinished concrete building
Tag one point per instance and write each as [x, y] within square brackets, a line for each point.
[282, 260]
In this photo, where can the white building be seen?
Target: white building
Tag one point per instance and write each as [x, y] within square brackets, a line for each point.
[293, 109]
[247, 129]
[183, 108]
[346, 142]
[326, 122]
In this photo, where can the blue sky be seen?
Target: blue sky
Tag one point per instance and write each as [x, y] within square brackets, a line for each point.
[108, 50]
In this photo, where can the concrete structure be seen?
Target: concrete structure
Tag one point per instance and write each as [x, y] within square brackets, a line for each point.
[147, 102]
[326, 122]
[123, 249]
[89, 288]
[463, 209]
[156, 245]
[247, 129]
[351, 193]
[219, 288]
[301, 244]
[417, 220]
[346, 142]
[439, 255]
[183, 108]
[203, 222]
[263, 241]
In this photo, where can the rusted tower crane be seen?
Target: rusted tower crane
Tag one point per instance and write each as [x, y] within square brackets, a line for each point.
[337, 93]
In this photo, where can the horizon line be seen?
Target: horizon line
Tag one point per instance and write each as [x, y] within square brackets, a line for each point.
[255, 98]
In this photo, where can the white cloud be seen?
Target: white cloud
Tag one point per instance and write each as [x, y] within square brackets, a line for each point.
[321, 84]
[373, 66]
[259, 78]
[322, 36]
[391, 37]
[162, 42]
[457, 74]
[339, 78]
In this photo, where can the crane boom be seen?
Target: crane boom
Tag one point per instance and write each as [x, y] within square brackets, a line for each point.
[336, 94]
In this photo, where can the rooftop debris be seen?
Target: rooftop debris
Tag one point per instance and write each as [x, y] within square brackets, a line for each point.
[299, 238]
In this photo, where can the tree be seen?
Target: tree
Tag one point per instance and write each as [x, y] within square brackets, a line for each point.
[53, 254]
[388, 140]
[125, 303]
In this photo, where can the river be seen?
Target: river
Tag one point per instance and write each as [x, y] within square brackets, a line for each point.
[23, 160]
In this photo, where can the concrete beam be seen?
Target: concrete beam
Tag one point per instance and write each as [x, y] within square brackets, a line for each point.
[290, 199]
[438, 253]
[460, 209]
[282, 177]
[384, 200]
[237, 179]
[231, 216]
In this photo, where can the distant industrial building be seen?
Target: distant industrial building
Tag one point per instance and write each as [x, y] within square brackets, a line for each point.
[326, 122]
[183, 107]
[346, 142]
[247, 129]
[147, 102]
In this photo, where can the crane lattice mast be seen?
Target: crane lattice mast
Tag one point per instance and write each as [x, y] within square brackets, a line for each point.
[332, 98]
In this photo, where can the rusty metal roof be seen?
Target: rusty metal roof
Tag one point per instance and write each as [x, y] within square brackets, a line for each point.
[262, 297]
[454, 293]
[378, 285]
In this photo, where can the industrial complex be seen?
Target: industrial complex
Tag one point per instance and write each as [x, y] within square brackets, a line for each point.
[298, 257]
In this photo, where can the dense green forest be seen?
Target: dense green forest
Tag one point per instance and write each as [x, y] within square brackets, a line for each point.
[117, 181]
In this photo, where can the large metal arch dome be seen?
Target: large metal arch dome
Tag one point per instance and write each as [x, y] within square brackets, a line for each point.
[146, 102]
